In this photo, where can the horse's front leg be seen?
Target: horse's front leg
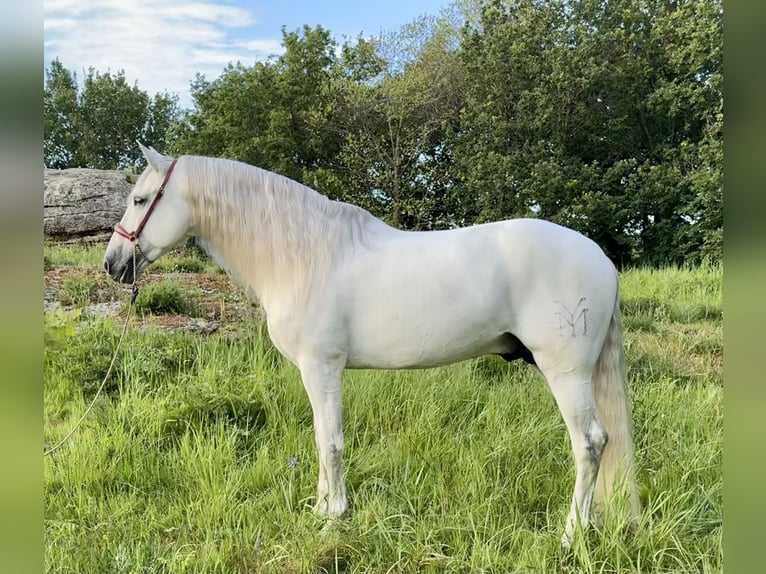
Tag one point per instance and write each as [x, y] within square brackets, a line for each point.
[322, 381]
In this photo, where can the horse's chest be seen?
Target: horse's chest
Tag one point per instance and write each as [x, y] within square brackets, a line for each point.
[297, 335]
[283, 332]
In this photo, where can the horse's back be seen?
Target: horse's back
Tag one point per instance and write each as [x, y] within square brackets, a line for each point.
[528, 257]
[546, 258]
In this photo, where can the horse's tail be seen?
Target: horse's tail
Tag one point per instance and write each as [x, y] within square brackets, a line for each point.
[616, 477]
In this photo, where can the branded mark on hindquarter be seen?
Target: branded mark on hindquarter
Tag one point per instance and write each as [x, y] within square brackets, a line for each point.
[570, 321]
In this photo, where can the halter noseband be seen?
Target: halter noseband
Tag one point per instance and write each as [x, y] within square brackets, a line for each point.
[132, 236]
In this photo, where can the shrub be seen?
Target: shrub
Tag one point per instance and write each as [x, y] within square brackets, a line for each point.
[189, 264]
[161, 298]
[79, 291]
[183, 264]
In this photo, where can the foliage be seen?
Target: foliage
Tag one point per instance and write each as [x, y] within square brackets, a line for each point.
[273, 114]
[161, 297]
[78, 291]
[97, 125]
[603, 116]
[60, 116]
[393, 155]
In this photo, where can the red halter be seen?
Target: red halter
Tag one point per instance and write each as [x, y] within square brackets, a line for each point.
[132, 236]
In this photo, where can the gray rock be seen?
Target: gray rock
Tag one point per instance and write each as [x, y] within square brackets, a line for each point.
[201, 326]
[105, 309]
[84, 202]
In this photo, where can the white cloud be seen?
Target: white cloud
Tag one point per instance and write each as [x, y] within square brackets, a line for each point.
[161, 45]
[56, 24]
[263, 46]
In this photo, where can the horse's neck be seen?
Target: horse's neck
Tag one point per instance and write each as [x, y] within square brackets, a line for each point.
[271, 255]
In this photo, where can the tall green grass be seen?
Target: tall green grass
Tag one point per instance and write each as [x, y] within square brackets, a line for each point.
[84, 255]
[200, 457]
[90, 255]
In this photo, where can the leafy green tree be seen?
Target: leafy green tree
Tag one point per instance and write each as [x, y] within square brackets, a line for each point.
[688, 101]
[365, 123]
[394, 119]
[98, 125]
[60, 109]
[510, 110]
[274, 114]
[163, 118]
[112, 117]
[705, 209]
[601, 115]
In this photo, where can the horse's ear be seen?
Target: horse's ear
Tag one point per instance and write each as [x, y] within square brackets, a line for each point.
[155, 159]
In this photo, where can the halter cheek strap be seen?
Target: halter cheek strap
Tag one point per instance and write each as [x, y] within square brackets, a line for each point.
[133, 235]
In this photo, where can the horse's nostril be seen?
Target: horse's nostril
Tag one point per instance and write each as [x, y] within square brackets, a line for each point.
[106, 265]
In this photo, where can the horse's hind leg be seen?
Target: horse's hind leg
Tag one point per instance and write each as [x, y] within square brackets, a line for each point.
[322, 381]
[573, 392]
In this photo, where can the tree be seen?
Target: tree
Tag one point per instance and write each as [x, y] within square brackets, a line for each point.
[510, 59]
[350, 123]
[394, 119]
[602, 115]
[98, 126]
[163, 117]
[60, 109]
[112, 118]
[274, 114]
[688, 100]
[598, 114]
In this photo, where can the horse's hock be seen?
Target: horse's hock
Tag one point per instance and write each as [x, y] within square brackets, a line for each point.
[82, 202]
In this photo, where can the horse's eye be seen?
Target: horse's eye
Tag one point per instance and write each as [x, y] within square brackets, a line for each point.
[138, 200]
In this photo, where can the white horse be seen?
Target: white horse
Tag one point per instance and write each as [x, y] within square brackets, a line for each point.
[342, 289]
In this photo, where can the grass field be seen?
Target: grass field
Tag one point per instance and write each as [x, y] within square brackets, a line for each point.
[200, 456]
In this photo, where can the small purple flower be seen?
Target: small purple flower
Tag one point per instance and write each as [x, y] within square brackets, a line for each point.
[293, 463]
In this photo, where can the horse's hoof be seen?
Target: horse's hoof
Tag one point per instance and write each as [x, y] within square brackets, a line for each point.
[331, 509]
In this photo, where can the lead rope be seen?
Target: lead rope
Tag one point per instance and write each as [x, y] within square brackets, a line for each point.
[133, 295]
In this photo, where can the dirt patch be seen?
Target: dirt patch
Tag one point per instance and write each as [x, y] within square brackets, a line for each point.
[216, 301]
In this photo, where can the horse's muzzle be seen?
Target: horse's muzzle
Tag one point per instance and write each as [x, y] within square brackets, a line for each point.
[122, 272]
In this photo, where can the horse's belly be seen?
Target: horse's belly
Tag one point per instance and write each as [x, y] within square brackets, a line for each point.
[424, 328]
[421, 350]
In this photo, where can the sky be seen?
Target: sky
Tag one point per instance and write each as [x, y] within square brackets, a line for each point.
[162, 44]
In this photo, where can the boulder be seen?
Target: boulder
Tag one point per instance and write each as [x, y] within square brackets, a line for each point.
[82, 202]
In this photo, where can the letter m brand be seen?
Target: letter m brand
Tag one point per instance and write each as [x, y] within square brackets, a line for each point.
[573, 322]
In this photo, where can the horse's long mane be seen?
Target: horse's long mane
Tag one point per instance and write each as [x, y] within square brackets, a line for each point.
[269, 229]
